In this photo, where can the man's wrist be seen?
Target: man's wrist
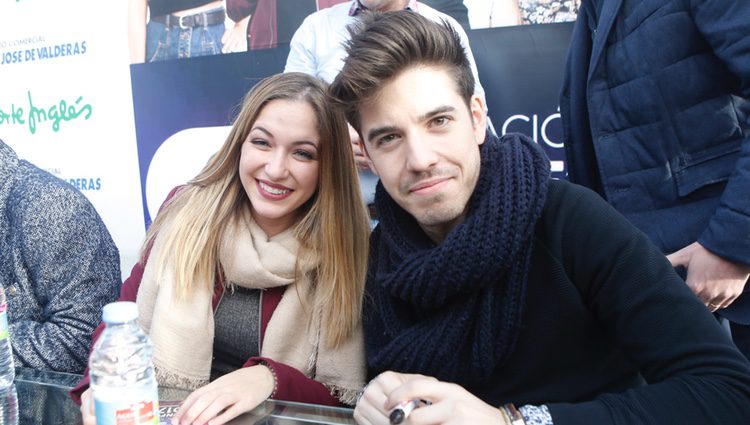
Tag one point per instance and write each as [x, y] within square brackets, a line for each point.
[511, 415]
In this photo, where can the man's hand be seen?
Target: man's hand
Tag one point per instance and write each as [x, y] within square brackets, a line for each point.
[227, 397]
[716, 281]
[360, 158]
[87, 408]
[450, 403]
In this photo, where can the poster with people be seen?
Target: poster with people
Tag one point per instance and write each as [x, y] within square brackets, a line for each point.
[126, 108]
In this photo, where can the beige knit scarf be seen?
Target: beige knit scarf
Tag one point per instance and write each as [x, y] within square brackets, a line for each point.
[183, 331]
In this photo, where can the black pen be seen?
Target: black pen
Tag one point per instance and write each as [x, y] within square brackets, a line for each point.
[404, 409]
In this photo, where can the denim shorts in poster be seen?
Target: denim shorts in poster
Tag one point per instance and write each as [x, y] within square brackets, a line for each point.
[172, 42]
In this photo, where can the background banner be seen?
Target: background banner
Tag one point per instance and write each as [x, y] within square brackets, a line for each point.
[66, 105]
[125, 134]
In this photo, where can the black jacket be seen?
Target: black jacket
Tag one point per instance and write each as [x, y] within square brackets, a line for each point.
[656, 114]
[611, 335]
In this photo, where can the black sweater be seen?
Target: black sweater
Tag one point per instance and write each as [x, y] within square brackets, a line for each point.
[611, 335]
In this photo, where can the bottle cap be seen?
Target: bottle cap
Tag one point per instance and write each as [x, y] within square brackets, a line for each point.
[119, 312]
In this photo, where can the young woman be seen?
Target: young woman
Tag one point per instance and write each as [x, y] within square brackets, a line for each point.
[252, 275]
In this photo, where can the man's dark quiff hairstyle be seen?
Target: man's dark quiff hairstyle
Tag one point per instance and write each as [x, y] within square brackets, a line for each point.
[383, 45]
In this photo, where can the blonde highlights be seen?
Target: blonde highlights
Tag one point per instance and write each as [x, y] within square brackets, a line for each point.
[333, 231]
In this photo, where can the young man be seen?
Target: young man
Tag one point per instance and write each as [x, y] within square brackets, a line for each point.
[317, 48]
[58, 265]
[502, 287]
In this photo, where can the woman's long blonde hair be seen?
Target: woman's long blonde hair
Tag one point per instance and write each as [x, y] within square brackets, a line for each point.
[333, 232]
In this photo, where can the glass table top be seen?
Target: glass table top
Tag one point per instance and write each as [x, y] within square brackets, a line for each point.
[41, 398]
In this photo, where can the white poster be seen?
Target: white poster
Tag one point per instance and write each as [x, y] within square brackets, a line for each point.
[66, 104]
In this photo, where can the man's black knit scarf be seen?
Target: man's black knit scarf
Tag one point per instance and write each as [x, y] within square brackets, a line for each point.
[454, 310]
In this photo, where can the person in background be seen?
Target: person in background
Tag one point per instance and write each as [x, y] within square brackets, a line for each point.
[174, 29]
[272, 22]
[58, 266]
[252, 275]
[547, 11]
[500, 13]
[317, 48]
[453, 8]
[494, 13]
[496, 294]
[663, 134]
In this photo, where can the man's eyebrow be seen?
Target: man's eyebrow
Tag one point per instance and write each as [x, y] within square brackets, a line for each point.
[439, 110]
[375, 132]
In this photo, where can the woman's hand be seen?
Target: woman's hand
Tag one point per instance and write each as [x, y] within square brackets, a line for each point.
[450, 403]
[87, 408]
[235, 38]
[227, 397]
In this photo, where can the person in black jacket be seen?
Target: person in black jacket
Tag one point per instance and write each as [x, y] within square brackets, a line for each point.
[492, 286]
[656, 113]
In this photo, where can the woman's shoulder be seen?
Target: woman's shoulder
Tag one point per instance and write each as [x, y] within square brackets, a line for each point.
[175, 190]
[171, 197]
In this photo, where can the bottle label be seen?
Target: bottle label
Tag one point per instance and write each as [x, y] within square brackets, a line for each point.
[127, 412]
[3, 321]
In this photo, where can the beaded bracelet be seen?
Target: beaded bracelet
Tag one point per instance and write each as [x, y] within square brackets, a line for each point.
[273, 374]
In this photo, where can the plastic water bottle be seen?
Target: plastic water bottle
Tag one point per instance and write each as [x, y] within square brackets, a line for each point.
[7, 370]
[121, 371]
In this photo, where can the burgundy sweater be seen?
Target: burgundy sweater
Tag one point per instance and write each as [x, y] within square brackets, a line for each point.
[291, 384]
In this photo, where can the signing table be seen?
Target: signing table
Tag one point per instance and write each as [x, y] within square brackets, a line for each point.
[41, 397]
